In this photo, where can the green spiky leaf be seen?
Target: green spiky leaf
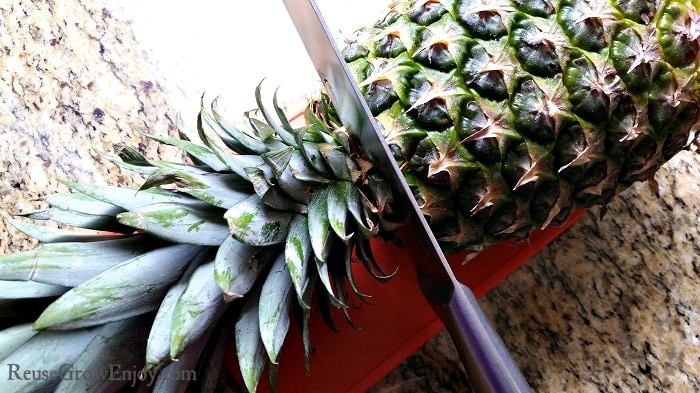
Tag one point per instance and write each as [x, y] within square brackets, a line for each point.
[253, 223]
[130, 288]
[275, 307]
[178, 223]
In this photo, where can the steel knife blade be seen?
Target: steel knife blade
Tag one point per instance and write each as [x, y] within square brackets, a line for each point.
[486, 360]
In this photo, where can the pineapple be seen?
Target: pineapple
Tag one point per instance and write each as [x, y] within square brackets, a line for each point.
[505, 116]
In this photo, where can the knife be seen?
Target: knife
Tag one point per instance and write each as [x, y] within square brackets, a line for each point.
[486, 360]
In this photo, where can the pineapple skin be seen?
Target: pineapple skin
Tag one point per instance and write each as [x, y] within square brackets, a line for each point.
[506, 116]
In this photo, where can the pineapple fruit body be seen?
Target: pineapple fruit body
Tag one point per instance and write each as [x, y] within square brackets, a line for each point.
[505, 116]
[509, 115]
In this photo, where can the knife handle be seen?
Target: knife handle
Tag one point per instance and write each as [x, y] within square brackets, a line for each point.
[488, 364]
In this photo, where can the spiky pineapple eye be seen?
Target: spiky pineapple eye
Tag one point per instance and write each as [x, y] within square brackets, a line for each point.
[542, 8]
[436, 56]
[354, 51]
[502, 219]
[588, 98]
[640, 11]
[427, 13]
[533, 48]
[483, 24]
[433, 114]
[380, 96]
[484, 74]
[679, 29]
[571, 144]
[642, 162]
[544, 199]
[587, 31]
[622, 120]
[531, 119]
[390, 46]
[635, 58]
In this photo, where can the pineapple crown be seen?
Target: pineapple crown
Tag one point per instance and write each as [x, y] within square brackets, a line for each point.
[272, 214]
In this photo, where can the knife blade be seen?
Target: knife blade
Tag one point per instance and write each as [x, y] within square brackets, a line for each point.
[486, 360]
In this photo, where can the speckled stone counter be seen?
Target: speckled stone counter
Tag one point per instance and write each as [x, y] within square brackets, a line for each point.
[612, 305]
[72, 83]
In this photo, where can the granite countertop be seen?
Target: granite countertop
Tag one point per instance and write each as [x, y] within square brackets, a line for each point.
[611, 305]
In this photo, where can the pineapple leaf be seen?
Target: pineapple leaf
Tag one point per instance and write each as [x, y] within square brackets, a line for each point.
[275, 307]
[249, 346]
[199, 306]
[298, 253]
[285, 135]
[69, 264]
[319, 223]
[339, 284]
[144, 170]
[158, 342]
[280, 113]
[240, 164]
[82, 203]
[130, 155]
[360, 213]
[306, 317]
[130, 288]
[45, 351]
[317, 125]
[348, 270]
[46, 234]
[339, 162]
[314, 158]
[77, 219]
[13, 337]
[296, 189]
[131, 198]
[324, 306]
[365, 255]
[278, 200]
[201, 153]
[251, 222]
[279, 159]
[265, 133]
[114, 344]
[220, 190]
[270, 195]
[178, 223]
[129, 158]
[342, 137]
[301, 170]
[309, 149]
[184, 137]
[211, 371]
[232, 161]
[237, 267]
[29, 290]
[174, 377]
[259, 180]
[222, 127]
[337, 209]
[205, 117]
[325, 278]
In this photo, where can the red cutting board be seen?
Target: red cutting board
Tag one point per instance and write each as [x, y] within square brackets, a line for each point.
[397, 323]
